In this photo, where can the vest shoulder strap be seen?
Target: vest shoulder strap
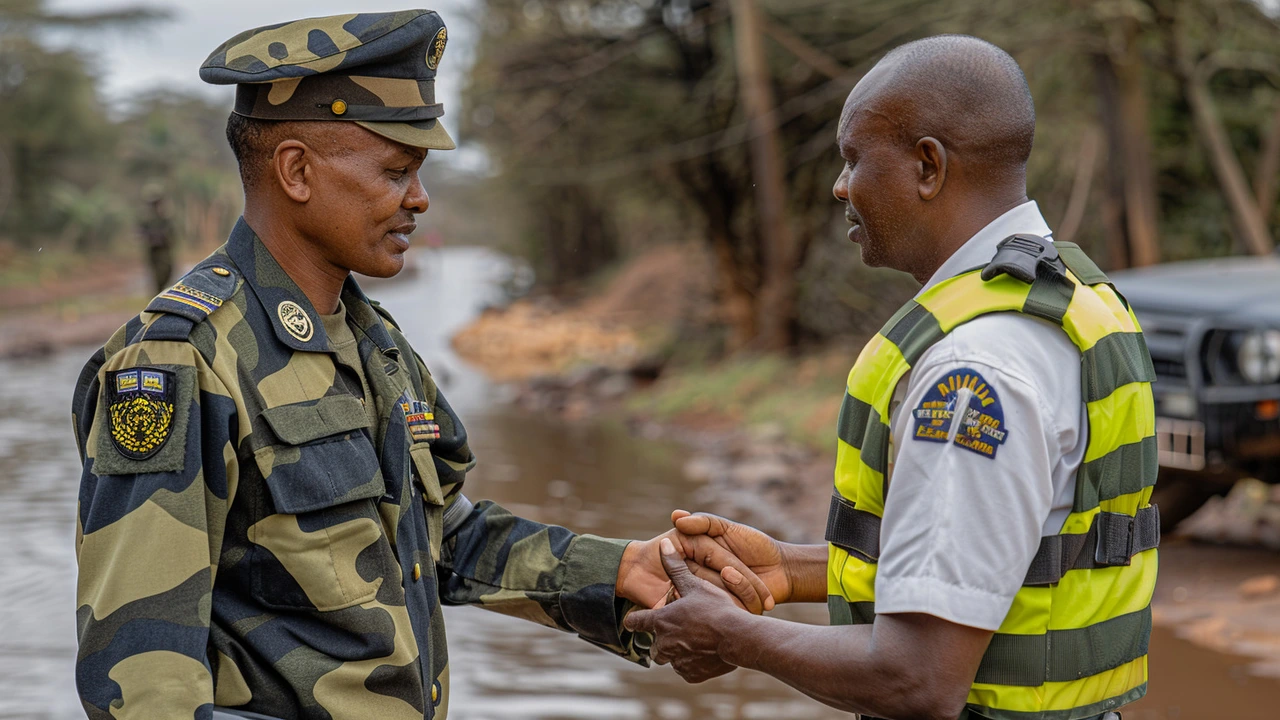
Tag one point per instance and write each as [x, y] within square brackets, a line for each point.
[1085, 270]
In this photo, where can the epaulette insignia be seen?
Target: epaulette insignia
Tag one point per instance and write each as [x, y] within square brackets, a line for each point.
[141, 410]
[195, 298]
[197, 294]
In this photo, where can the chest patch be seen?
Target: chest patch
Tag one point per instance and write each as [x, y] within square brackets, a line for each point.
[961, 408]
[420, 419]
[141, 410]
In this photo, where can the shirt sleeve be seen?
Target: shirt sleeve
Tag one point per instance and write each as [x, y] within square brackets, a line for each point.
[159, 474]
[519, 567]
[969, 492]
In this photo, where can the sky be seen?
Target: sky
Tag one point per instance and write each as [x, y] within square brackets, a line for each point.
[170, 52]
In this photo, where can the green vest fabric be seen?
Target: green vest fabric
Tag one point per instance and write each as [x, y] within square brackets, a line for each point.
[1074, 643]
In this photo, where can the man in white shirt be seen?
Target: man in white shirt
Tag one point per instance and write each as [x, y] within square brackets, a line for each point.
[935, 141]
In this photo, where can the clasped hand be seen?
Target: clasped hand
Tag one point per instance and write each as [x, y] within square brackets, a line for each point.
[716, 568]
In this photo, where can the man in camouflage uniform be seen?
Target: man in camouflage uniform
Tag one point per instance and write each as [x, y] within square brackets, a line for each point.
[156, 231]
[271, 512]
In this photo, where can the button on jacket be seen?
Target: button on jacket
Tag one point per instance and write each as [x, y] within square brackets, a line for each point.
[248, 537]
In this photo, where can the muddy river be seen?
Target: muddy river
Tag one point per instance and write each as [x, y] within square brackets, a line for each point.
[592, 477]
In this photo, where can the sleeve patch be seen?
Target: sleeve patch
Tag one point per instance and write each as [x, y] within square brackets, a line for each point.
[966, 393]
[142, 409]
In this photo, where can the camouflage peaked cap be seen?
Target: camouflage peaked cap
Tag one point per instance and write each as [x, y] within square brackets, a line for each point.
[374, 69]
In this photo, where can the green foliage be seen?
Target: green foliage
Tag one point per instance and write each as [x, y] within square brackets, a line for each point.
[71, 172]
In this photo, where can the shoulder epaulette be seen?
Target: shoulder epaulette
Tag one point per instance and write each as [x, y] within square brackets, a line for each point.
[377, 307]
[192, 299]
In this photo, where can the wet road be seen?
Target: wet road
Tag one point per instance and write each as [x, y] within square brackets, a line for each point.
[592, 477]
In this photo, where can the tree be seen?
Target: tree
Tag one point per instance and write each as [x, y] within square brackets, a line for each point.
[640, 105]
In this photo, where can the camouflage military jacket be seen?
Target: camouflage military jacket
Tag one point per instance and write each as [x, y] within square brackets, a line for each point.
[247, 539]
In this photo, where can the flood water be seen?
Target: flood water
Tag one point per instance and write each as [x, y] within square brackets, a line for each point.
[590, 476]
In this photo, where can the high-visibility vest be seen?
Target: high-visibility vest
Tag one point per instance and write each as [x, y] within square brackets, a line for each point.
[1074, 643]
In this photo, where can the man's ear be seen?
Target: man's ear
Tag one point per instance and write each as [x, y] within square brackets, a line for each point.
[931, 164]
[291, 166]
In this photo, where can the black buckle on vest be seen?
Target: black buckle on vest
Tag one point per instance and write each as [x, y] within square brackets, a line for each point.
[1020, 255]
[1115, 539]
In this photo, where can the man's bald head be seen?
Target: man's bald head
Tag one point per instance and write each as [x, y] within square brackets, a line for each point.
[966, 92]
[935, 141]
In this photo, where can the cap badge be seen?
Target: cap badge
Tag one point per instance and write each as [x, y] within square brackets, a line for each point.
[295, 320]
[437, 49]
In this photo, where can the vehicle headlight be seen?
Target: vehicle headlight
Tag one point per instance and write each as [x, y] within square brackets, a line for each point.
[1259, 356]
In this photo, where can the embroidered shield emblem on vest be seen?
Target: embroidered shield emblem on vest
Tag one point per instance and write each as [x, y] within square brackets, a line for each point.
[961, 408]
[295, 320]
[140, 404]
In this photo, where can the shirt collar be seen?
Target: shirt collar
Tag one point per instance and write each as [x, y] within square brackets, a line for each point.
[294, 320]
[979, 249]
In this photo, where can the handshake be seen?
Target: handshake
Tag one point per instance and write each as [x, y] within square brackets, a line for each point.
[703, 577]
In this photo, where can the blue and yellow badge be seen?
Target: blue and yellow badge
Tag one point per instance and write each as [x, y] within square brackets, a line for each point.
[419, 418]
[963, 391]
[140, 403]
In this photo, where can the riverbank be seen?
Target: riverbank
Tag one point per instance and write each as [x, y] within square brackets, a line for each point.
[68, 300]
[760, 432]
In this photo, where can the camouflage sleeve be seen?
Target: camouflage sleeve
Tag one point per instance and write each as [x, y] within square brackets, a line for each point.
[159, 474]
[515, 566]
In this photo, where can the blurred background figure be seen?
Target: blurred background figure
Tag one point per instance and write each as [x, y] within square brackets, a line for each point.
[156, 232]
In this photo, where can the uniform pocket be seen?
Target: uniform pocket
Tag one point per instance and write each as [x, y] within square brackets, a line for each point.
[321, 545]
[428, 481]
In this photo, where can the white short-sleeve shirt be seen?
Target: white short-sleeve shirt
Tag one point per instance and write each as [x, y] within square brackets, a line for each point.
[961, 525]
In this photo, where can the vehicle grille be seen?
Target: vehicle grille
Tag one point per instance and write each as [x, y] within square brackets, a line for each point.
[1166, 337]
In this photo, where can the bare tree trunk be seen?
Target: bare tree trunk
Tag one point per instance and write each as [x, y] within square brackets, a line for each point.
[776, 303]
[1130, 212]
[1139, 185]
[1194, 74]
[1227, 167]
[1086, 165]
[737, 306]
[1113, 205]
[1264, 182]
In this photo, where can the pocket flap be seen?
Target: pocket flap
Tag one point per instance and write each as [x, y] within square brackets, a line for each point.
[306, 421]
[309, 477]
[428, 479]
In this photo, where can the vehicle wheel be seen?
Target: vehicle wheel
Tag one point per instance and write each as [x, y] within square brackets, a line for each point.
[1179, 493]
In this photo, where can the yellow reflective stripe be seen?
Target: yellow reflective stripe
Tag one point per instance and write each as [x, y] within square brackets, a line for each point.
[875, 371]
[1119, 312]
[1062, 695]
[1089, 319]
[850, 577]
[848, 467]
[964, 297]
[1125, 416]
[1078, 522]
[1104, 593]
[1030, 611]
[1129, 503]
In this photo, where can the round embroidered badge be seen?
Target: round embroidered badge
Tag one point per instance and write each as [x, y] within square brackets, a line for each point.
[295, 320]
[436, 49]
